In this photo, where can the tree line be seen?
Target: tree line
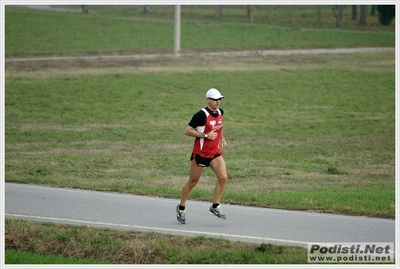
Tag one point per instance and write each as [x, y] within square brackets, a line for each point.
[386, 13]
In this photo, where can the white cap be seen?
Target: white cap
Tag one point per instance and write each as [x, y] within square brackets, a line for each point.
[213, 94]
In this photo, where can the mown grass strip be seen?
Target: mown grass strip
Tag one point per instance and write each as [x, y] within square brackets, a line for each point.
[295, 131]
[97, 33]
[91, 245]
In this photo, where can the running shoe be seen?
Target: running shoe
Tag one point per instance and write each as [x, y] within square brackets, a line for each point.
[217, 212]
[180, 215]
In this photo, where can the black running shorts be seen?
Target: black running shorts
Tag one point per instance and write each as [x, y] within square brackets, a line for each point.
[204, 162]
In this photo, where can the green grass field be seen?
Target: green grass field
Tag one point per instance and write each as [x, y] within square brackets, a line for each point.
[124, 30]
[304, 132]
[320, 132]
[22, 257]
[87, 245]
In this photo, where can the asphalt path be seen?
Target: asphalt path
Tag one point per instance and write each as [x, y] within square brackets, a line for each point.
[155, 214]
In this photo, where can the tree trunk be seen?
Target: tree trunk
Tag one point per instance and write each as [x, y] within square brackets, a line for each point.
[373, 10]
[319, 16]
[363, 15]
[271, 13]
[85, 9]
[218, 11]
[338, 16]
[146, 9]
[250, 13]
[354, 13]
[293, 15]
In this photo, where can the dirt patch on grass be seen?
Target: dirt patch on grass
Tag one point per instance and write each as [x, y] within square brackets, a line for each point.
[201, 63]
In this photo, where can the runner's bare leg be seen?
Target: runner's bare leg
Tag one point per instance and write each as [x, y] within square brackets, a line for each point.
[194, 177]
[219, 167]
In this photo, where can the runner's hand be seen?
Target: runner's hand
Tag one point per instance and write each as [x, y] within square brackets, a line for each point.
[212, 135]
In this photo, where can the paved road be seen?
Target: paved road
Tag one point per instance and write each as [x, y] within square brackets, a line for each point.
[153, 214]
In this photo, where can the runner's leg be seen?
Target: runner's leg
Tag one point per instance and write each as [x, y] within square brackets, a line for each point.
[219, 167]
[194, 177]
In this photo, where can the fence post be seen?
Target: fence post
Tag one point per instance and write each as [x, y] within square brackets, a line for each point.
[177, 29]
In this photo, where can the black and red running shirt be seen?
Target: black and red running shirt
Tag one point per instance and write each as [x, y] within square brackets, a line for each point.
[206, 121]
